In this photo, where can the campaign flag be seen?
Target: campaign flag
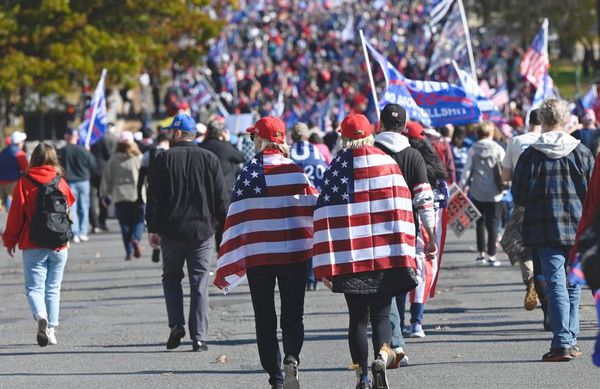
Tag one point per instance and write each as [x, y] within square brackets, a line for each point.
[396, 91]
[270, 219]
[489, 110]
[364, 216]
[94, 122]
[535, 63]
[545, 91]
[309, 158]
[589, 99]
[451, 44]
[439, 11]
[348, 33]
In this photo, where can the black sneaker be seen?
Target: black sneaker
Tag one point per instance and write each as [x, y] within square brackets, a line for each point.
[198, 345]
[290, 369]
[378, 369]
[177, 332]
[155, 255]
[42, 332]
[576, 352]
[558, 355]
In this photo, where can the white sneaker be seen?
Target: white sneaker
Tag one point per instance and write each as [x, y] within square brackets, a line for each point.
[76, 239]
[404, 361]
[493, 262]
[52, 337]
[84, 238]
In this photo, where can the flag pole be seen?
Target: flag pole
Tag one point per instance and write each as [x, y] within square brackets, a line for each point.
[88, 135]
[373, 91]
[463, 16]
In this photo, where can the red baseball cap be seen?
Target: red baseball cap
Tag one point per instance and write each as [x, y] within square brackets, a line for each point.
[414, 130]
[356, 126]
[269, 128]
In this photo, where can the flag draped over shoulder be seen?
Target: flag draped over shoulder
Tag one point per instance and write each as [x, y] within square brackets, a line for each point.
[96, 114]
[535, 63]
[270, 218]
[364, 216]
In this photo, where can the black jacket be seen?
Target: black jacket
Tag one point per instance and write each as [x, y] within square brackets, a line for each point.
[186, 193]
[77, 161]
[229, 157]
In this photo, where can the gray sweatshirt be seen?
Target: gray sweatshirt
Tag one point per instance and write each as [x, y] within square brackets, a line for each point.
[479, 170]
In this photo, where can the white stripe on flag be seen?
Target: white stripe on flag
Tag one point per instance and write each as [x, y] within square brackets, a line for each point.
[372, 160]
[367, 184]
[287, 246]
[395, 226]
[271, 202]
[404, 204]
[370, 253]
[287, 223]
[285, 179]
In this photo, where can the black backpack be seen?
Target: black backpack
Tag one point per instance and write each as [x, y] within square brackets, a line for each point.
[50, 225]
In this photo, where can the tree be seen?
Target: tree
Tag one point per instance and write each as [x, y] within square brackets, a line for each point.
[47, 45]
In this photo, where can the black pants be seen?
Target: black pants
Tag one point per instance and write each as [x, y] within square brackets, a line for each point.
[98, 212]
[490, 215]
[292, 282]
[361, 307]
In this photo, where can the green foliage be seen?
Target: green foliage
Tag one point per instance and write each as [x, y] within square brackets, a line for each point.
[46, 45]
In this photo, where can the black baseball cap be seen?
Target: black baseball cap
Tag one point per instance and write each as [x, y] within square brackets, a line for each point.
[393, 117]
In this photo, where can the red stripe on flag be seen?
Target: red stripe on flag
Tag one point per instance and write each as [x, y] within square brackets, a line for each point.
[265, 237]
[376, 171]
[337, 246]
[363, 219]
[363, 266]
[282, 169]
[291, 190]
[381, 194]
[267, 214]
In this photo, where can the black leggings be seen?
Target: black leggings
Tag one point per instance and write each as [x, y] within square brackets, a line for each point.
[490, 215]
[360, 308]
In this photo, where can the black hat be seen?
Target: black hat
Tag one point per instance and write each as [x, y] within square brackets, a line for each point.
[393, 117]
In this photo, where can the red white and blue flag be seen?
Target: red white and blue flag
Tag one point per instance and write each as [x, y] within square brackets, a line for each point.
[94, 122]
[364, 217]
[270, 218]
[535, 63]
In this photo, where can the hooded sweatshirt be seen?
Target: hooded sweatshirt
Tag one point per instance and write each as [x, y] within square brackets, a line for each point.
[24, 204]
[413, 169]
[120, 178]
[550, 181]
[479, 171]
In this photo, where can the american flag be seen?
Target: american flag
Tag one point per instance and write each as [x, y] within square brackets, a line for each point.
[94, 124]
[364, 216]
[270, 218]
[500, 96]
[535, 63]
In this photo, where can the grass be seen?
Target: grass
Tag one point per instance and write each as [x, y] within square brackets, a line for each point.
[563, 72]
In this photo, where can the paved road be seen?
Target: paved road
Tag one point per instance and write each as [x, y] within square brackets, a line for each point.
[113, 329]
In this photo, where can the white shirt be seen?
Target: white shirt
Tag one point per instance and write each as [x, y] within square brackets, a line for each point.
[515, 148]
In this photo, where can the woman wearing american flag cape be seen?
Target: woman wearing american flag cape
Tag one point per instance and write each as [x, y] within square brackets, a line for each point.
[268, 237]
[364, 243]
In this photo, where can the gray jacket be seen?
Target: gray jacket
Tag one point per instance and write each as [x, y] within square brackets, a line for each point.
[479, 171]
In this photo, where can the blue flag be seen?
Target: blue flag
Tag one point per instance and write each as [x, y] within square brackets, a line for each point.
[432, 103]
[489, 110]
[94, 123]
[588, 100]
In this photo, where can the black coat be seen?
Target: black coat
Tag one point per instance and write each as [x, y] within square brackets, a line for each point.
[187, 197]
[230, 159]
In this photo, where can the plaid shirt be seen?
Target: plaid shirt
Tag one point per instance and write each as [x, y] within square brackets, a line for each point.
[552, 192]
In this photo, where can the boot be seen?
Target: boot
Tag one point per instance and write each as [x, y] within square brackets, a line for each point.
[544, 302]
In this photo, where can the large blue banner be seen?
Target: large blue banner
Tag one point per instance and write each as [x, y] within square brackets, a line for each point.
[432, 103]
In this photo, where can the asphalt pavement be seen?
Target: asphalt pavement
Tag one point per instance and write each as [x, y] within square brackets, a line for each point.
[114, 328]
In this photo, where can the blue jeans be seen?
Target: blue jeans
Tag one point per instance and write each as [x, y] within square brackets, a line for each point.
[131, 220]
[563, 299]
[397, 338]
[416, 310]
[43, 270]
[80, 211]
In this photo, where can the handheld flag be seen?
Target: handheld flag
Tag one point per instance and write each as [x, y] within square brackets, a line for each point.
[535, 63]
[589, 99]
[451, 43]
[94, 123]
[439, 11]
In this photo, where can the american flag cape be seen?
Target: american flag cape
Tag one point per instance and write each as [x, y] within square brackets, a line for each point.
[428, 271]
[364, 216]
[270, 218]
[535, 63]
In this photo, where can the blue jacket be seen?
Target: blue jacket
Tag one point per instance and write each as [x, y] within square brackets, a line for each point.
[9, 166]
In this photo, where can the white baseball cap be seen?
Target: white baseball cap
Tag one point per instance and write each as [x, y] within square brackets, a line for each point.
[17, 137]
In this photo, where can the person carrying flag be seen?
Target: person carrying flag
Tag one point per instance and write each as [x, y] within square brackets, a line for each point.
[268, 236]
[364, 244]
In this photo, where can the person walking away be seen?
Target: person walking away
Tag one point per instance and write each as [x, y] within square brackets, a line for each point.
[363, 188]
[162, 144]
[589, 135]
[427, 267]
[13, 163]
[217, 142]
[102, 151]
[268, 236]
[187, 199]
[78, 164]
[392, 141]
[512, 239]
[119, 186]
[440, 143]
[460, 147]
[309, 158]
[550, 181]
[479, 178]
[38, 222]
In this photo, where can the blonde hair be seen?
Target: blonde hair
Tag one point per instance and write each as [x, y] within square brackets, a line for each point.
[263, 144]
[349, 143]
[485, 130]
[45, 154]
[554, 114]
[131, 149]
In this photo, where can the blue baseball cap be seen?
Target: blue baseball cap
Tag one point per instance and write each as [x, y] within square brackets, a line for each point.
[183, 122]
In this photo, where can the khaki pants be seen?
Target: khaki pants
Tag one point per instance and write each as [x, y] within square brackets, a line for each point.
[6, 190]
